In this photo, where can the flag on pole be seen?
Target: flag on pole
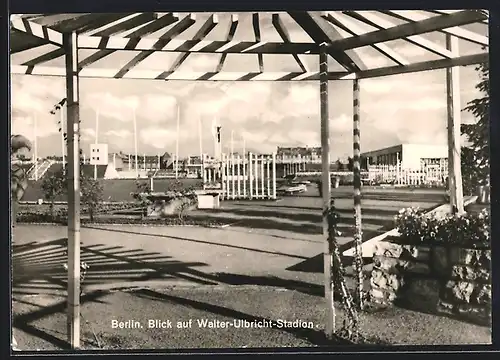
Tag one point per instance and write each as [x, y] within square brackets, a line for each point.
[218, 133]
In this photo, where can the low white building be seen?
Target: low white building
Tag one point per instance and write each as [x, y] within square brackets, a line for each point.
[409, 156]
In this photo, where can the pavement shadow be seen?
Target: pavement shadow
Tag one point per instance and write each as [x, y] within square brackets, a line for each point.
[38, 268]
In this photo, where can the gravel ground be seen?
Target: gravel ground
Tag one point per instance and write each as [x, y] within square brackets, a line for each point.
[40, 321]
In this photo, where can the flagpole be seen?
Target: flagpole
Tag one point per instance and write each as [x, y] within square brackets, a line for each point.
[200, 138]
[177, 142]
[232, 142]
[96, 139]
[35, 120]
[135, 145]
[62, 135]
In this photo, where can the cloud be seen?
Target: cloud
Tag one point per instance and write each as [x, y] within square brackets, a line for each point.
[157, 108]
[109, 105]
[88, 134]
[158, 138]
[25, 125]
[118, 133]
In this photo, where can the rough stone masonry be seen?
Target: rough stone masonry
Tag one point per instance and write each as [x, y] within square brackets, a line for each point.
[433, 278]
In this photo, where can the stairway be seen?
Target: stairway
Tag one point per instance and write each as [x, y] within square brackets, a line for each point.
[39, 169]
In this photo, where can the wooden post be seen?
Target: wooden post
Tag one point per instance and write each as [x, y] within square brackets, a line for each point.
[454, 121]
[244, 175]
[268, 176]
[250, 174]
[358, 233]
[274, 176]
[233, 180]
[325, 177]
[238, 174]
[256, 175]
[73, 129]
[151, 184]
[262, 176]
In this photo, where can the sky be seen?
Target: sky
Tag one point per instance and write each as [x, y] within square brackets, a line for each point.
[409, 108]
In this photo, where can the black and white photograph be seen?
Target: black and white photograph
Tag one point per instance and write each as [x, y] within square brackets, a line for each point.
[197, 180]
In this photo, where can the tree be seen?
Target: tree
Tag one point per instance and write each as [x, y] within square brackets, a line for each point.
[91, 194]
[340, 165]
[476, 155]
[350, 164]
[52, 187]
[18, 176]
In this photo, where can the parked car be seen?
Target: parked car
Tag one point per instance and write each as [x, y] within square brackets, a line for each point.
[292, 188]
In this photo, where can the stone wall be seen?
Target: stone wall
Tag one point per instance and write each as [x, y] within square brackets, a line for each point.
[432, 278]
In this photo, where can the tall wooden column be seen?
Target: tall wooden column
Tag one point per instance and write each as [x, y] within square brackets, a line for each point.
[454, 121]
[356, 148]
[325, 178]
[73, 129]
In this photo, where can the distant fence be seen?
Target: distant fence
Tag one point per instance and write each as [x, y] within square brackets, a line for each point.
[398, 175]
[394, 174]
[243, 177]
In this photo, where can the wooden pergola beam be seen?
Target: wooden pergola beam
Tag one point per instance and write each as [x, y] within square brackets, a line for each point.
[283, 33]
[54, 54]
[444, 12]
[354, 30]
[107, 73]
[233, 25]
[42, 32]
[379, 23]
[229, 46]
[448, 23]
[256, 31]
[416, 27]
[424, 66]
[322, 32]
[255, 76]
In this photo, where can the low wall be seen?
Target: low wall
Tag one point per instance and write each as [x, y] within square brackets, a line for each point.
[437, 279]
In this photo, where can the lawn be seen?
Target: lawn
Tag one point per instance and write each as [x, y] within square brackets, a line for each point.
[40, 322]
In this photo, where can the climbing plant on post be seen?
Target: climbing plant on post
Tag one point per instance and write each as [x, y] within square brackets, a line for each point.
[358, 256]
[350, 324]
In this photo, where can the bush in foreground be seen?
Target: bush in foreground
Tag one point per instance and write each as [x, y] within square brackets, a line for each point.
[465, 230]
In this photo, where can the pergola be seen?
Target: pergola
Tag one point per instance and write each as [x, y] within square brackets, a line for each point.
[335, 34]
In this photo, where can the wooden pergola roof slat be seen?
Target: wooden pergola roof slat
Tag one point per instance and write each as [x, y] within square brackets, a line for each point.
[101, 20]
[421, 42]
[162, 41]
[205, 29]
[256, 31]
[358, 33]
[413, 28]
[321, 32]
[126, 23]
[37, 30]
[280, 28]
[233, 25]
[450, 21]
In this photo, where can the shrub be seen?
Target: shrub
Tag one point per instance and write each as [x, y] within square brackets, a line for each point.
[466, 230]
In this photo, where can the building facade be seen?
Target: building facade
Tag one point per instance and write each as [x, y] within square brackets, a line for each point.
[306, 153]
[409, 156]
